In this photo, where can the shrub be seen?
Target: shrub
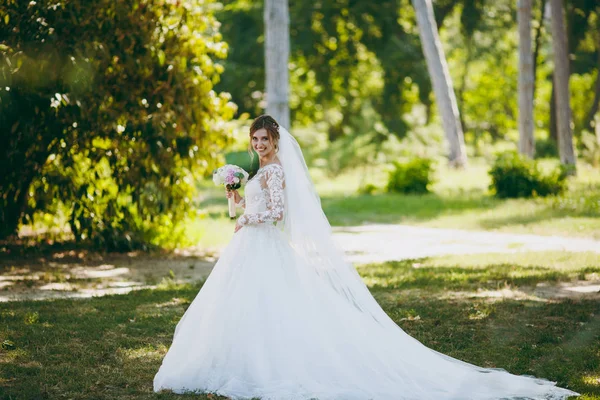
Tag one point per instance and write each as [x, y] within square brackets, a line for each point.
[411, 177]
[367, 189]
[590, 148]
[109, 113]
[546, 148]
[514, 175]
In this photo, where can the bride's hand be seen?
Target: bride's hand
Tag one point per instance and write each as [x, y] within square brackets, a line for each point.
[233, 193]
[237, 227]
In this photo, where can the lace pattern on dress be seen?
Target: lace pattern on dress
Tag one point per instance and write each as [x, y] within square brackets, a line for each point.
[271, 194]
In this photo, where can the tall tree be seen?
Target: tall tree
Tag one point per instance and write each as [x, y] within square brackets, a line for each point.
[441, 81]
[526, 80]
[561, 84]
[277, 54]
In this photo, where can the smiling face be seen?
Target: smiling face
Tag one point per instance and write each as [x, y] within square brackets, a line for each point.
[262, 143]
[264, 138]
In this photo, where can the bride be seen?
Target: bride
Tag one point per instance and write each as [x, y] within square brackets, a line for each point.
[283, 316]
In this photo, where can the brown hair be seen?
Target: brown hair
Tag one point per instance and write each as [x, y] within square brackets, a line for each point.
[270, 125]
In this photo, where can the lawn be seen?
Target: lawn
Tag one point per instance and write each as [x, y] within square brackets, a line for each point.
[485, 309]
[461, 199]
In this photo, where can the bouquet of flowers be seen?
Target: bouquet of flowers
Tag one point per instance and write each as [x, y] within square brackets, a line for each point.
[232, 177]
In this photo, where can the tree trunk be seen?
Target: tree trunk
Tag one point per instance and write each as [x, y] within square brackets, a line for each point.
[277, 53]
[561, 87]
[441, 81]
[553, 129]
[526, 79]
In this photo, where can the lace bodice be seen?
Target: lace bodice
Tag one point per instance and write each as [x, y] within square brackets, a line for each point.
[264, 200]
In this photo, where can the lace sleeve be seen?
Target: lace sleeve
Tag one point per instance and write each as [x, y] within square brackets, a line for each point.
[275, 182]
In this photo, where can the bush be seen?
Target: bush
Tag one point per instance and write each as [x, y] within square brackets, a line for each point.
[546, 148]
[411, 177]
[590, 148]
[514, 175]
[109, 112]
[367, 189]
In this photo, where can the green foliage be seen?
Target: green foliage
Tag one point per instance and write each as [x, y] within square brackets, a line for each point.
[111, 113]
[546, 148]
[343, 54]
[360, 144]
[578, 203]
[590, 147]
[367, 189]
[347, 56]
[413, 176]
[514, 175]
[243, 160]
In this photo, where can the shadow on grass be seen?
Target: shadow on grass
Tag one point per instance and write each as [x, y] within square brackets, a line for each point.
[398, 208]
[544, 214]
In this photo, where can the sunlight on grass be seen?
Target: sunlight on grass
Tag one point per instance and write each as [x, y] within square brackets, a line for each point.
[475, 178]
[147, 353]
[558, 260]
[209, 233]
[591, 380]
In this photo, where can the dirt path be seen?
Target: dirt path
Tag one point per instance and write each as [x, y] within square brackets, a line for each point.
[380, 243]
[76, 274]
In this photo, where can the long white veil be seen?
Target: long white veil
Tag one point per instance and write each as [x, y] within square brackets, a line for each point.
[310, 233]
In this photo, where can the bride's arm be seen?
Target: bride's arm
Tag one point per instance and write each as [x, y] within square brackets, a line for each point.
[240, 201]
[275, 182]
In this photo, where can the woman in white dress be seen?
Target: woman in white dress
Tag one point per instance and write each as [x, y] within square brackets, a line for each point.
[283, 316]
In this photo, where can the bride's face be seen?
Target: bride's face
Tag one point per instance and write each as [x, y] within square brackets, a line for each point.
[262, 144]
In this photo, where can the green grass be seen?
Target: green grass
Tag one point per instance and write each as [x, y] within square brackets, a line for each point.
[460, 199]
[111, 347]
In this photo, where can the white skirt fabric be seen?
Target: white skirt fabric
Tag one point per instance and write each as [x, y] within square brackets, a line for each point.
[265, 326]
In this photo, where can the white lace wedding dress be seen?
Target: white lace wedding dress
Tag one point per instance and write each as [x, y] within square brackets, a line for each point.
[266, 325]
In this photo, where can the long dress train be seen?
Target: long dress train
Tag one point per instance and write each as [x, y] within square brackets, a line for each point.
[264, 325]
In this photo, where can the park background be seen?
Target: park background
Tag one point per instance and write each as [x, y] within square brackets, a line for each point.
[447, 137]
